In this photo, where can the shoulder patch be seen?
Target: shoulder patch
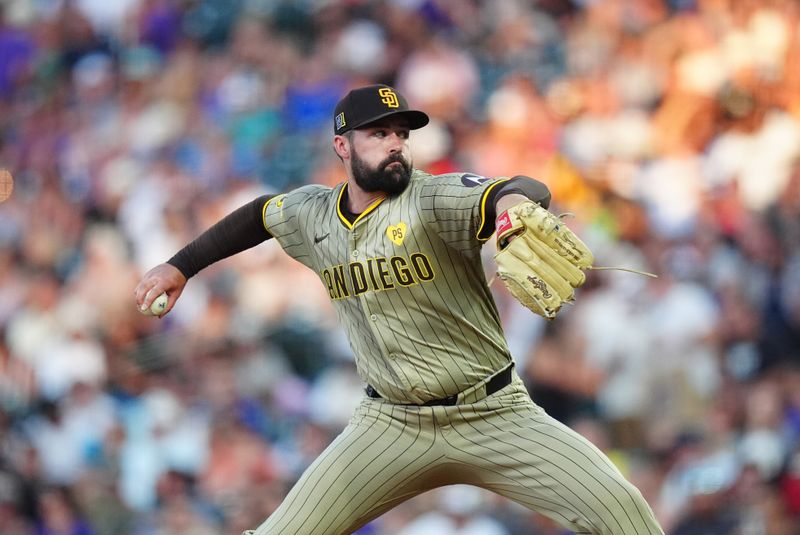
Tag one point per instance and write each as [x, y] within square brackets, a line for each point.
[470, 180]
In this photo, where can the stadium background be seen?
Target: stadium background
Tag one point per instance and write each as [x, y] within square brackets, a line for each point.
[671, 128]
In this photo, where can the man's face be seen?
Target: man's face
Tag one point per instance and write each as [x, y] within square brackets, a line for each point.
[380, 158]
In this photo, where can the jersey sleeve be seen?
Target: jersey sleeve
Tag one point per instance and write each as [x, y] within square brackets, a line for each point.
[455, 206]
[284, 217]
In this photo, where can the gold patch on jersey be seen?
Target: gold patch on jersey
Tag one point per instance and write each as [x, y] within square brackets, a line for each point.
[397, 233]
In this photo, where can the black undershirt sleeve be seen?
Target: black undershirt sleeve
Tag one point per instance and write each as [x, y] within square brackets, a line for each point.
[238, 231]
[523, 185]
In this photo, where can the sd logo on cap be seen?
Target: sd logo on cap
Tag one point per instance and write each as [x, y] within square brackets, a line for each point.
[368, 104]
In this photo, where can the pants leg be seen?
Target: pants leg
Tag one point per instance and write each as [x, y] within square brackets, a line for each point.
[519, 451]
[384, 456]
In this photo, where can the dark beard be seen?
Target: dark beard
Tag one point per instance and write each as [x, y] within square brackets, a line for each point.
[391, 181]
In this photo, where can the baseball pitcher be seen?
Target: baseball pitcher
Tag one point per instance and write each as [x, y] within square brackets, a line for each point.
[398, 251]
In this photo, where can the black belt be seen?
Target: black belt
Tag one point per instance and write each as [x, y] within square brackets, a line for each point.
[499, 381]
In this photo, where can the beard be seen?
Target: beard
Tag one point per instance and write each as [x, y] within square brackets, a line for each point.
[389, 179]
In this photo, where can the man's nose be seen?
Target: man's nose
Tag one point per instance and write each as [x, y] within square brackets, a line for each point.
[395, 143]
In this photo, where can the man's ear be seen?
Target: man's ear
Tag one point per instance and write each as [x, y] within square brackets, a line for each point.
[342, 146]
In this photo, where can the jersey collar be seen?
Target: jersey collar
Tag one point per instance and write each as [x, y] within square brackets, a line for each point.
[341, 199]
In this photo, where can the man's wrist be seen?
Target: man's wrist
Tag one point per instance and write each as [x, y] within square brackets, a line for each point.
[182, 264]
[507, 201]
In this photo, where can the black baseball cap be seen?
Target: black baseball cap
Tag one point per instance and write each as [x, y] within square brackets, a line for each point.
[367, 104]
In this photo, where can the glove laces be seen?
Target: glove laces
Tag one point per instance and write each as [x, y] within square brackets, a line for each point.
[610, 268]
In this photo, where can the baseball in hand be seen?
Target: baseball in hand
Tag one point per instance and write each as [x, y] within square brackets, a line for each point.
[157, 307]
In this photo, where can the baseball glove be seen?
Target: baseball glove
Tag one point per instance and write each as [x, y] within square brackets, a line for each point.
[544, 262]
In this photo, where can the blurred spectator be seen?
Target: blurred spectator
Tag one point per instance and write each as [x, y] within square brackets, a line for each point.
[670, 128]
[18, 52]
[461, 514]
[59, 515]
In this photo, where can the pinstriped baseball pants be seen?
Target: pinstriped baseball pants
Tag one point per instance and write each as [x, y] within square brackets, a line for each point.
[504, 443]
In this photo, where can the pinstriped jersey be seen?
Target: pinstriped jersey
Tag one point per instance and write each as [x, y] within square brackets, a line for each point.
[405, 279]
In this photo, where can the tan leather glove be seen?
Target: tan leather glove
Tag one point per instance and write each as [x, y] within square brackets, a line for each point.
[544, 262]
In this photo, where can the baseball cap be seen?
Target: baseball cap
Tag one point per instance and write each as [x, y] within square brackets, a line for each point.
[367, 104]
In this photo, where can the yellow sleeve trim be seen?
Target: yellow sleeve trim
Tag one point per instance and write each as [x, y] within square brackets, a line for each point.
[264, 212]
[483, 208]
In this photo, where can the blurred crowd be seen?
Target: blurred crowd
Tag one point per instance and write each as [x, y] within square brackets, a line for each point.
[670, 128]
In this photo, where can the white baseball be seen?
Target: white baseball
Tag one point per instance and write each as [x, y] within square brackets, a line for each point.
[157, 307]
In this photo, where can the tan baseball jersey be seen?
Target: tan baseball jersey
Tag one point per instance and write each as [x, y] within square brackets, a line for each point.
[421, 325]
[407, 283]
